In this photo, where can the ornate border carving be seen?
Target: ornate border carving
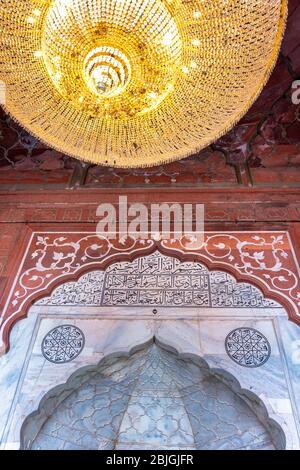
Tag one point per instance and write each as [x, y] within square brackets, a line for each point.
[264, 259]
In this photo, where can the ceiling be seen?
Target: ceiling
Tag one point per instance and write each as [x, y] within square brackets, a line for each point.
[263, 150]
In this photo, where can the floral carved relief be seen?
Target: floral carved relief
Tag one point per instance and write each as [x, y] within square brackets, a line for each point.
[264, 259]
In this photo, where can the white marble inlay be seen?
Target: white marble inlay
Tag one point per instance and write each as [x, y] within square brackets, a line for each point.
[281, 405]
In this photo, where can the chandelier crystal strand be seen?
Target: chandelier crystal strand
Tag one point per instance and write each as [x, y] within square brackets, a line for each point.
[135, 83]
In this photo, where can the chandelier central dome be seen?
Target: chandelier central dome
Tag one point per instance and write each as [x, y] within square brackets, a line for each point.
[111, 58]
[107, 71]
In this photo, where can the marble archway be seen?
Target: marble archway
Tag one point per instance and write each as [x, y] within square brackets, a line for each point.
[196, 324]
[264, 259]
[150, 398]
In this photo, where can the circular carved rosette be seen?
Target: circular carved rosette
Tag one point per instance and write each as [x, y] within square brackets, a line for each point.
[247, 347]
[63, 344]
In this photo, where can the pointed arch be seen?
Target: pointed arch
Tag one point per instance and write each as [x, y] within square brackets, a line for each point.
[277, 276]
[55, 397]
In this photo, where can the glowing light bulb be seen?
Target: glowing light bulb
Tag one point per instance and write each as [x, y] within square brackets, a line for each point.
[197, 15]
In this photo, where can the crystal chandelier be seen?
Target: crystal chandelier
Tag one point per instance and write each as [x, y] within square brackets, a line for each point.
[135, 83]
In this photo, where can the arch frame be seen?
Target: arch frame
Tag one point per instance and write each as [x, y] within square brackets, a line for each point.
[264, 259]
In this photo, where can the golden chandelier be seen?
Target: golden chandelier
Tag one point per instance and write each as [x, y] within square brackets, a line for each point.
[135, 83]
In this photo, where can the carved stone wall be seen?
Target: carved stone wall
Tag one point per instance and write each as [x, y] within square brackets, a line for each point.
[158, 280]
[152, 400]
[265, 259]
[245, 339]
